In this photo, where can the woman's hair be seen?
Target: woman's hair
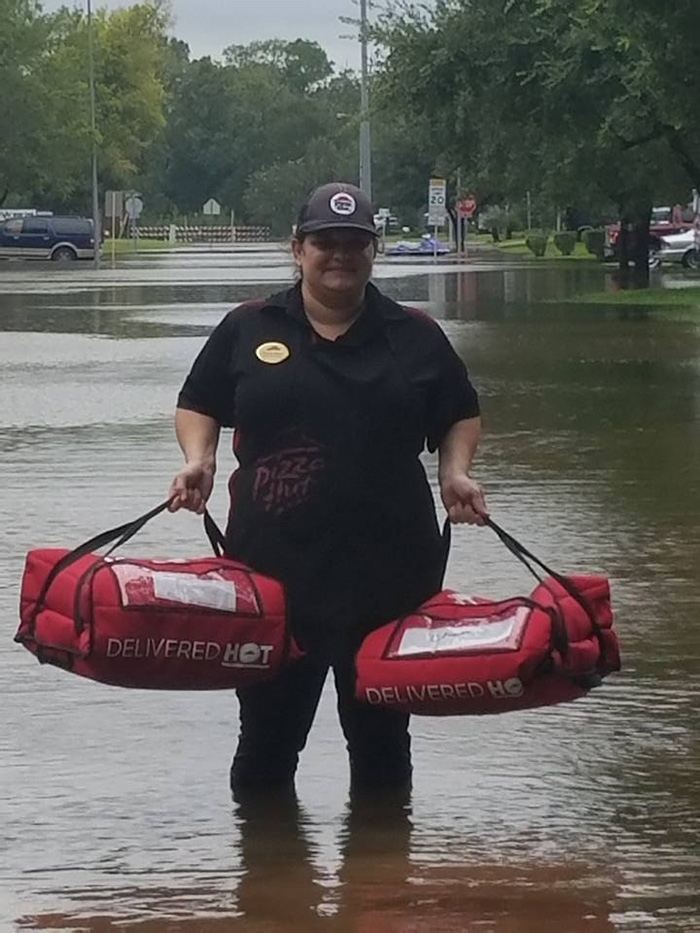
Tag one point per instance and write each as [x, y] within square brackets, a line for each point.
[299, 238]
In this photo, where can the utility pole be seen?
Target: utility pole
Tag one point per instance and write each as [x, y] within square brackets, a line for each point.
[365, 138]
[97, 231]
[458, 216]
[529, 210]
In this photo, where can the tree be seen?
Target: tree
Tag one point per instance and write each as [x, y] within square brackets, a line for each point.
[302, 65]
[23, 101]
[553, 97]
[234, 122]
[130, 60]
[152, 179]
[45, 101]
[403, 159]
[274, 194]
[216, 132]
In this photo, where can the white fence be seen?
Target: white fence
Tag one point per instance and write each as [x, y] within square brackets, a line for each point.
[205, 234]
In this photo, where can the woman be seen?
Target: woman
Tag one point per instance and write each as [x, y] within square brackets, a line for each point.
[333, 390]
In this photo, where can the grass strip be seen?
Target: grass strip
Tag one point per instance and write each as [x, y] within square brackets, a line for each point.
[658, 297]
[127, 246]
[517, 247]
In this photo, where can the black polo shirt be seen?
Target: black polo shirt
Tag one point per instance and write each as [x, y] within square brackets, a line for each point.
[330, 496]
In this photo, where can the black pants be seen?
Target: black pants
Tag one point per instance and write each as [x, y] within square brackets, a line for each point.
[276, 718]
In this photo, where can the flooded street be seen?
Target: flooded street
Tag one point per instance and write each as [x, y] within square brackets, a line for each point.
[115, 810]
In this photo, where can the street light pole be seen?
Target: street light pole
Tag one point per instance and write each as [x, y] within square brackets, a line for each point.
[365, 139]
[97, 231]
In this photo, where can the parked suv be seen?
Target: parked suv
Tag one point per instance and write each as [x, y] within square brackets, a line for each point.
[59, 238]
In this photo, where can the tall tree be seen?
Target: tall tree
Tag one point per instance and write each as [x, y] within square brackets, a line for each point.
[232, 121]
[45, 156]
[23, 103]
[131, 56]
[303, 65]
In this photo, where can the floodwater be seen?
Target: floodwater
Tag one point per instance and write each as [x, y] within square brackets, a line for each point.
[115, 811]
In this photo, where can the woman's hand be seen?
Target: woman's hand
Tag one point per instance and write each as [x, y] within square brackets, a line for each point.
[191, 487]
[463, 499]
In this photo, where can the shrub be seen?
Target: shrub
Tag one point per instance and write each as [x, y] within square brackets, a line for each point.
[536, 242]
[594, 241]
[565, 242]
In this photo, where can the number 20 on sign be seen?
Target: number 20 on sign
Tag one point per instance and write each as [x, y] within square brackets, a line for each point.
[437, 199]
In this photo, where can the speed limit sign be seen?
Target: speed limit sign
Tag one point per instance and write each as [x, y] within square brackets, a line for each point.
[437, 201]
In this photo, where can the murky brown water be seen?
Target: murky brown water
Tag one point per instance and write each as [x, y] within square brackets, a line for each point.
[114, 805]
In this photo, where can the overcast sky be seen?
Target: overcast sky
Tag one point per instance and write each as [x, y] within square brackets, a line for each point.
[208, 26]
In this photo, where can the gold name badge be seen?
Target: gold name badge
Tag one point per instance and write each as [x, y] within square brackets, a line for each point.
[272, 352]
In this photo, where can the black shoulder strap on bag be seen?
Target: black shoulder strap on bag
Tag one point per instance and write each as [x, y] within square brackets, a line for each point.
[528, 559]
[213, 532]
[120, 535]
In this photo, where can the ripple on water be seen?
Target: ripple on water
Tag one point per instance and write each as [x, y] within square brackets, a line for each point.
[585, 817]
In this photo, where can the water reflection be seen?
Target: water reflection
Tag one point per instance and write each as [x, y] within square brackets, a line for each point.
[380, 884]
[470, 292]
[278, 884]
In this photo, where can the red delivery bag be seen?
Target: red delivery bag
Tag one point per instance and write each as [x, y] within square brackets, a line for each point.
[458, 655]
[204, 624]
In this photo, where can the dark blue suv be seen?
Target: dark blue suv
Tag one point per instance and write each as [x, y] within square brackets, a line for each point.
[59, 238]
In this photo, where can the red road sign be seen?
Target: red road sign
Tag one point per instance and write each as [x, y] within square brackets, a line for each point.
[466, 206]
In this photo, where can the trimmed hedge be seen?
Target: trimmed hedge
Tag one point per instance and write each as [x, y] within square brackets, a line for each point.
[536, 242]
[594, 241]
[565, 242]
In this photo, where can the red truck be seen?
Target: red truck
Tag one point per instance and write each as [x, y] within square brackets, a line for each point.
[664, 221]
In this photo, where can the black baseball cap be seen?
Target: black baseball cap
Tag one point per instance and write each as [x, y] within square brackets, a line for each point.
[337, 206]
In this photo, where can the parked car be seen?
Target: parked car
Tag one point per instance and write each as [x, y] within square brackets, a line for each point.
[680, 247]
[62, 239]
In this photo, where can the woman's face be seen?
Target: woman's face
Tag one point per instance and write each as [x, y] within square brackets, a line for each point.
[335, 261]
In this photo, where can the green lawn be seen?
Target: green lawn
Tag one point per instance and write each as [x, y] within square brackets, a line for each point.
[657, 297]
[517, 247]
[671, 304]
[127, 246]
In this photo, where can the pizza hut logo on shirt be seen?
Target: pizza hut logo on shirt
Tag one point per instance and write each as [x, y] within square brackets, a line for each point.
[343, 204]
[287, 478]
